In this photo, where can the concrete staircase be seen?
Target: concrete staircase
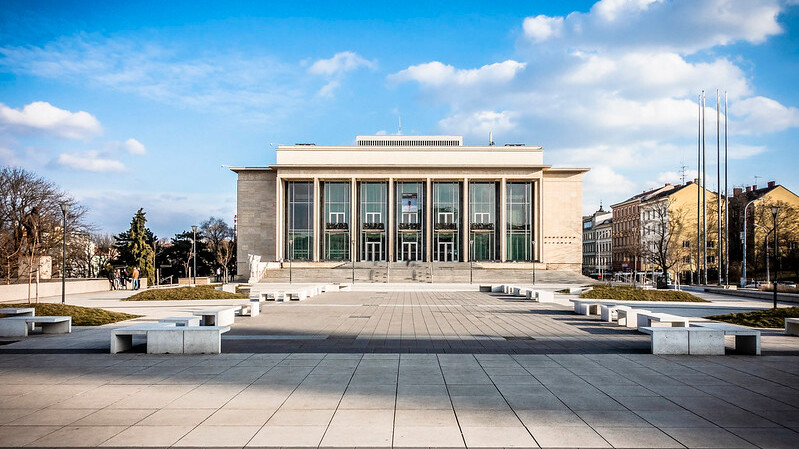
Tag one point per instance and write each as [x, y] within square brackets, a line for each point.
[420, 272]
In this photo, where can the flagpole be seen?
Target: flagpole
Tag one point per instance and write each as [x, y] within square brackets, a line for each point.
[726, 203]
[719, 247]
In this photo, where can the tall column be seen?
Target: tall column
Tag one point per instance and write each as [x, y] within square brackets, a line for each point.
[391, 212]
[316, 220]
[538, 218]
[428, 227]
[466, 219]
[281, 218]
[353, 220]
[503, 221]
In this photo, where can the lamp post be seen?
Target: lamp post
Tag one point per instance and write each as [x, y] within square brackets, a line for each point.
[64, 211]
[194, 252]
[352, 245]
[765, 247]
[533, 258]
[774, 211]
[471, 261]
[743, 262]
[291, 256]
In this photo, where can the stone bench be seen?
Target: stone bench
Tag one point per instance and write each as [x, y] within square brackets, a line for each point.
[792, 326]
[166, 338]
[485, 288]
[747, 340]
[586, 306]
[654, 319]
[629, 317]
[18, 311]
[178, 321]
[299, 295]
[685, 340]
[609, 312]
[251, 309]
[19, 326]
[217, 316]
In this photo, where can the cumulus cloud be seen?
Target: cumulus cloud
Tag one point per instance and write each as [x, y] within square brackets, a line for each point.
[328, 90]
[437, 74]
[133, 146]
[342, 62]
[42, 117]
[541, 28]
[478, 124]
[760, 115]
[90, 161]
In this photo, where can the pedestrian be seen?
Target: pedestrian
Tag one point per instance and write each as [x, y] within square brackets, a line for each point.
[135, 276]
[117, 280]
[123, 278]
[111, 279]
[218, 274]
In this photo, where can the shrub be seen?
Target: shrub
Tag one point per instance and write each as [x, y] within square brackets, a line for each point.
[184, 294]
[624, 293]
[773, 318]
[81, 316]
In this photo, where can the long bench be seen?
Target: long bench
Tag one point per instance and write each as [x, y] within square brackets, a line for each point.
[629, 317]
[702, 339]
[189, 321]
[166, 338]
[654, 319]
[20, 326]
[217, 316]
[792, 326]
[610, 312]
[747, 340]
[18, 311]
[586, 306]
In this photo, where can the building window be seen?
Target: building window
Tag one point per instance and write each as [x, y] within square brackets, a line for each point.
[686, 243]
[446, 219]
[711, 244]
[482, 225]
[410, 225]
[299, 220]
[337, 220]
[373, 214]
[519, 217]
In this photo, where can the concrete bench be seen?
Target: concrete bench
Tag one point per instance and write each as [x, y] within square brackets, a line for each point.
[629, 317]
[258, 296]
[166, 338]
[486, 288]
[251, 309]
[217, 316]
[299, 295]
[653, 319]
[685, 340]
[747, 340]
[609, 312]
[586, 306]
[792, 326]
[19, 326]
[182, 320]
[18, 311]
[274, 296]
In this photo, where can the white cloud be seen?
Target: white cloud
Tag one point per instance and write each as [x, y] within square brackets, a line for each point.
[478, 124]
[745, 151]
[133, 146]
[42, 117]
[90, 161]
[342, 62]
[437, 74]
[760, 115]
[541, 28]
[329, 89]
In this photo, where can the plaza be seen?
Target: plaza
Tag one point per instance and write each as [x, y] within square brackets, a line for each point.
[398, 366]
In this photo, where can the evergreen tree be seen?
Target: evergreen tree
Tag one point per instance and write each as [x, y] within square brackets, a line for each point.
[139, 249]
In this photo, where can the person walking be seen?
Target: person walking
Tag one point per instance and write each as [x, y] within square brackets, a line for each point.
[117, 280]
[111, 279]
[123, 278]
[135, 276]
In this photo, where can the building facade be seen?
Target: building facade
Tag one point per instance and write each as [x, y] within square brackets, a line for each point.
[596, 243]
[410, 198]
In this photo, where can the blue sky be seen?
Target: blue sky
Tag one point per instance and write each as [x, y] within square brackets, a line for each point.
[138, 104]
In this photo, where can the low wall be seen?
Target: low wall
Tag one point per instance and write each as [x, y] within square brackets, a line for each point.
[19, 292]
[746, 293]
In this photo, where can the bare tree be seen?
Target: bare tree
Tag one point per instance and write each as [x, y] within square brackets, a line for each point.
[218, 237]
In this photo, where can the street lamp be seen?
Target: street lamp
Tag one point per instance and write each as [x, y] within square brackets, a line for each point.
[471, 260]
[765, 246]
[774, 211]
[743, 262]
[291, 256]
[194, 252]
[533, 258]
[352, 256]
[64, 210]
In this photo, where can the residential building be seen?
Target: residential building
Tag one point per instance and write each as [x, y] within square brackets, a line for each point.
[595, 244]
[626, 246]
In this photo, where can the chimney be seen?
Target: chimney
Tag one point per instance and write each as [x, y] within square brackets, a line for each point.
[748, 189]
[771, 184]
[737, 191]
[689, 183]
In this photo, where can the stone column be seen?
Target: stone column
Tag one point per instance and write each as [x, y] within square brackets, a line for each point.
[353, 220]
[466, 219]
[428, 228]
[538, 219]
[316, 220]
[280, 244]
[391, 218]
[503, 221]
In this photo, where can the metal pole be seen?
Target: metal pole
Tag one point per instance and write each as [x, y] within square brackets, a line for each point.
[352, 244]
[743, 260]
[534, 259]
[471, 261]
[63, 258]
[704, 196]
[194, 252]
[291, 256]
[726, 203]
[698, 186]
[719, 247]
[765, 247]
[774, 211]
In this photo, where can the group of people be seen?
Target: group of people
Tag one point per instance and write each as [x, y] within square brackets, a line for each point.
[119, 278]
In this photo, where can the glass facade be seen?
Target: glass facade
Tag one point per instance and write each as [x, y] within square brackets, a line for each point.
[483, 223]
[336, 221]
[374, 216]
[410, 221]
[299, 220]
[446, 219]
[519, 210]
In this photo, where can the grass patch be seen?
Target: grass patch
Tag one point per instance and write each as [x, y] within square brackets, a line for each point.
[81, 316]
[771, 318]
[635, 294]
[184, 294]
[564, 291]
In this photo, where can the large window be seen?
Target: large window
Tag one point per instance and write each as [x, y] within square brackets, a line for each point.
[483, 220]
[410, 221]
[374, 215]
[446, 219]
[519, 221]
[337, 220]
[299, 226]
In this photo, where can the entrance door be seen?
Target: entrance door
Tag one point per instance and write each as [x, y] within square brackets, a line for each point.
[445, 251]
[374, 251]
[409, 251]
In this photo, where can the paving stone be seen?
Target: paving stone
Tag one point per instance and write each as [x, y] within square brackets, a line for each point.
[288, 436]
[497, 436]
[218, 436]
[637, 437]
[707, 437]
[78, 436]
[428, 436]
[148, 436]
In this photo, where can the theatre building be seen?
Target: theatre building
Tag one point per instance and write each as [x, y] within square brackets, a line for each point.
[410, 199]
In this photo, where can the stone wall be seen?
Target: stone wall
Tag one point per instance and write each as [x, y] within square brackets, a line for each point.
[562, 226]
[257, 209]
